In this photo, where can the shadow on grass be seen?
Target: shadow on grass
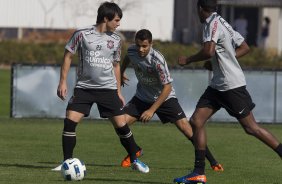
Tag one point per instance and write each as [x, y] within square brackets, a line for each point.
[123, 181]
[24, 166]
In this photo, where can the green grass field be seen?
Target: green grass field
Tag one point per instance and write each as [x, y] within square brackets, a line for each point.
[30, 148]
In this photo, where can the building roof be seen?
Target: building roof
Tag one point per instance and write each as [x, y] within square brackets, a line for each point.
[264, 3]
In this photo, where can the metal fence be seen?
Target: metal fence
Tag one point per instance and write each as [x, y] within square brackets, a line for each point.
[34, 92]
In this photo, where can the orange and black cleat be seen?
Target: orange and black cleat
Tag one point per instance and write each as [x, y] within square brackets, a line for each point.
[217, 168]
[126, 161]
[192, 178]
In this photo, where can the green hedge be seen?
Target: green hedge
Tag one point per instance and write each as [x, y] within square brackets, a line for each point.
[52, 53]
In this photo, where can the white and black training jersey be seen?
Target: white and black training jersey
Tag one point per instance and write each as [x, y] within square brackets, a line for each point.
[97, 52]
[152, 73]
[227, 73]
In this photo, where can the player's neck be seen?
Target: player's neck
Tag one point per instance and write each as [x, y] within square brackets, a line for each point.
[101, 28]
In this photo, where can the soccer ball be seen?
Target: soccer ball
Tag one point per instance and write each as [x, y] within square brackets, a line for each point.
[73, 169]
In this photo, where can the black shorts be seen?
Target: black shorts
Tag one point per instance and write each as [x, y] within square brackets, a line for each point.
[107, 101]
[237, 102]
[169, 111]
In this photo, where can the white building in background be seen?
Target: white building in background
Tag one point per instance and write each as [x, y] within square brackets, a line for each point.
[155, 15]
[169, 20]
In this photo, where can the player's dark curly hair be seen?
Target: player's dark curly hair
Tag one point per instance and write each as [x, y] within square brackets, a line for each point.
[108, 10]
[144, 34]
[208, 5]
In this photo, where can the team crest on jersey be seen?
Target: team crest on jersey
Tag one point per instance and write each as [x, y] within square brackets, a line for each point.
[110, 44]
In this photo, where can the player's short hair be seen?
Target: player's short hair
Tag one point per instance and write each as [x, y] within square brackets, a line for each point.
[144, 34]
[208, 5]
[108, 10]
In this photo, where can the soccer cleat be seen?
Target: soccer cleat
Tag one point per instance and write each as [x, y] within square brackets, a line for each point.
[58, 168]
[140, 166]
[192, 178]
[126, 161]
[217, 167]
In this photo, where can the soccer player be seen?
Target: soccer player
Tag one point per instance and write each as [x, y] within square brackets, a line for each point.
[227, 89]
[98, 81]
[154, 93]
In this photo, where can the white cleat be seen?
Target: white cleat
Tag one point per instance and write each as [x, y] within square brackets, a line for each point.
[58, 168]
[140, 166]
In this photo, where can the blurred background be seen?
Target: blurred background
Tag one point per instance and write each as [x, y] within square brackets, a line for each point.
[171, 22]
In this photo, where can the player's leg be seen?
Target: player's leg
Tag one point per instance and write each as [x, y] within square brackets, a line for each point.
[126, 161]
[130, 120]
[77, 108]
[69, 132]
[252, 128]
[128, 142]
[133, 110]
[69, 135]
[184, 127]
[110, 106]
[239, 104]
[198, 120]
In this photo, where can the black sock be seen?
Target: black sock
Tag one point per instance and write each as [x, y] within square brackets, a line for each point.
[128, 142]
[278, 150]
[68, 138]
[199, 166]
[208, 155]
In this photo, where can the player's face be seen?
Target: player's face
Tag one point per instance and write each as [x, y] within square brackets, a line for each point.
[113, 24]
[143, 47]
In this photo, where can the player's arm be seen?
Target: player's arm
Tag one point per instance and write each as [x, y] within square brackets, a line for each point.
[62, 90]
[118, 78]
[242, 50]
[123, 67]
[207, 51]
[148, 114]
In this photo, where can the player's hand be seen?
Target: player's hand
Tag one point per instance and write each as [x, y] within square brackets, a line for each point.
[124, 80]
[146, 116]
[208, 65]
[182, 60]
[62, 91]
[121, 99]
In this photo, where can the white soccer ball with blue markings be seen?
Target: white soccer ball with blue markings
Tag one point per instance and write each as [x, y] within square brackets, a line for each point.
[73, 169]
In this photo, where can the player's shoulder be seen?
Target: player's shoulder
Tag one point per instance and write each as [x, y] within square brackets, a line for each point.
[214, 17]
[156, 56]
[86, 30]
[114, 35]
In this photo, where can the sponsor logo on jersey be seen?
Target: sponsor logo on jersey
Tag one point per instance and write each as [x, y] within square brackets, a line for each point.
[144, 79]
[95, 60]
